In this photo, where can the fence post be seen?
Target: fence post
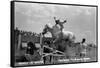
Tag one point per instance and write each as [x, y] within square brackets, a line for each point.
[41, 49]
[19, 41]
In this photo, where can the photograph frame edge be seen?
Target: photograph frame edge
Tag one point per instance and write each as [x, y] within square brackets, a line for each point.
[12, 38]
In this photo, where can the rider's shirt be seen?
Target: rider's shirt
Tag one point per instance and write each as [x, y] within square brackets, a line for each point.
[60, 24]
[57, 21]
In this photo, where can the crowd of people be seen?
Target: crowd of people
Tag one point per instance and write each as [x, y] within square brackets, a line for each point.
[25, 33]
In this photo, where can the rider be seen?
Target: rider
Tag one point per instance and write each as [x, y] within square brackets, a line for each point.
[60, 23]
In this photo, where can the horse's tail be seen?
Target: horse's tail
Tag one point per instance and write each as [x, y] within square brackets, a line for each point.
[70, 36]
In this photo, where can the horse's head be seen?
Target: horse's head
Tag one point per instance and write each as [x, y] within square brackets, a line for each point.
[47, 28]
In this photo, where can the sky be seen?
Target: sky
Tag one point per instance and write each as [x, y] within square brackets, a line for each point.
[81, 20]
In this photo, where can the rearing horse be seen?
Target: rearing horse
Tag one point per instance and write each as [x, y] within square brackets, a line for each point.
[60, 37]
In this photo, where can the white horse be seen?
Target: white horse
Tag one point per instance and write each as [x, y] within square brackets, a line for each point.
[58, 34]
